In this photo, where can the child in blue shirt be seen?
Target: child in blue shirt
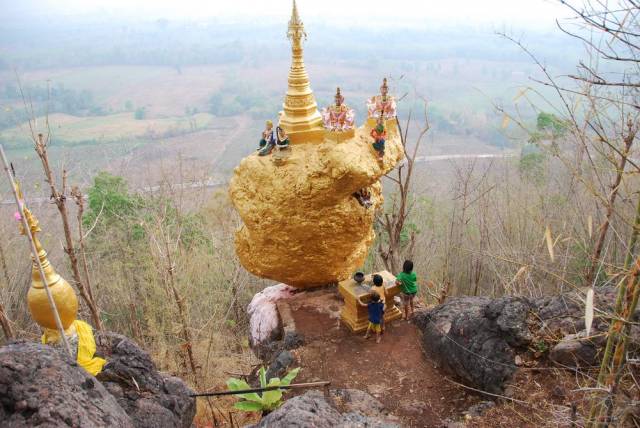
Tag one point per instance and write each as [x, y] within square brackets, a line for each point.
[375, 308]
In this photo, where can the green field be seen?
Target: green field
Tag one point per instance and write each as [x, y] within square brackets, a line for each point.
[110, 128]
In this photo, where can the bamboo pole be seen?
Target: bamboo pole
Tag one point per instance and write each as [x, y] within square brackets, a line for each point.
[266, 388]
[613, 358]
[619, 354]
[616, 325]
[631, 247]
[34, 252]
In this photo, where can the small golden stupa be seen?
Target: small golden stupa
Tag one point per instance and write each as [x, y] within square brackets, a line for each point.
[63, 295]
[78, 333]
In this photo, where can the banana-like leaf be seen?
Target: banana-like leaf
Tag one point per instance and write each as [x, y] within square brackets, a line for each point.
[237, 384]
[271, 398]
[286, 381]
[248, 406]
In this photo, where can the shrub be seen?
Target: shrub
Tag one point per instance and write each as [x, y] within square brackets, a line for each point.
[269, 400]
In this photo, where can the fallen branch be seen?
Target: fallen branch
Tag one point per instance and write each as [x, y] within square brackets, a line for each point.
[268, 388]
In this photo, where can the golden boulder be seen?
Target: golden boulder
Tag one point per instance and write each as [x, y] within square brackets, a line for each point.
[303, 224]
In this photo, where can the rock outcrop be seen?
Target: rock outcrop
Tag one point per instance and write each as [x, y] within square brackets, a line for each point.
[313, 410]
[563, 318]
[41, 386]
[476, 338]
[483, 341]
[302, 226]
[150, 398]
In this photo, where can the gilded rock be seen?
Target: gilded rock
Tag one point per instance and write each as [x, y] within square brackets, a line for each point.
[302, 224]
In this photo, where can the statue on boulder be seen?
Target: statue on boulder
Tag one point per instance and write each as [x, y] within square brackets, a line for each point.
[383, 105]
[379, 134]
[268, 140]
[272, 138]
[338, 116]
[282, 139]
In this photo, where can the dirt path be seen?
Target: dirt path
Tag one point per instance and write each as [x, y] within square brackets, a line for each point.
[395, 371]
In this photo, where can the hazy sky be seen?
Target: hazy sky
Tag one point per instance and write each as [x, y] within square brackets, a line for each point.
[512, 13]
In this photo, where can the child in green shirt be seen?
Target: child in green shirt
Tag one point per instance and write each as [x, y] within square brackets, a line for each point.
[407, 281]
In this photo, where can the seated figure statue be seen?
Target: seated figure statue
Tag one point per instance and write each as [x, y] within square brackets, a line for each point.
[268, 140]
[382, 105]
[272, 138]
[282, 139]
[338, 116]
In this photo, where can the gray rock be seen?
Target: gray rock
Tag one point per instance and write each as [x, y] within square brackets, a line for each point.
[279, 366]
[292, 340]
[510, 316]
[271, 348]
[573, 351]
[41, 386]
[150, 398]
[312, 410]
[358, 420]
[355, 400]
[307, 410]
[474, 338]
[480, 408]
[478, 339]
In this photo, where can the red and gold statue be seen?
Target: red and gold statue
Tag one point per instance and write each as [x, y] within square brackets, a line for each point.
[338, 116]
[382, 105]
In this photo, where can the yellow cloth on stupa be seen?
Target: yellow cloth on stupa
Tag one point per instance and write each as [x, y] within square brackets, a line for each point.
[86, 346]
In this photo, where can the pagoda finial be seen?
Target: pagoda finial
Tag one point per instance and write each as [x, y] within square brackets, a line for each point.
[301, 118]
[34, 225]
[295, 18]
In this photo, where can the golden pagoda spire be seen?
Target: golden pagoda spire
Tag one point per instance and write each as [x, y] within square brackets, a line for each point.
[301, 118]
[63, 295]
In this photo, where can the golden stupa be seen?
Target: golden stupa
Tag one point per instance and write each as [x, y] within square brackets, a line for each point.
[62, 293]
[78, 334]
[302, 224]
[300, 118]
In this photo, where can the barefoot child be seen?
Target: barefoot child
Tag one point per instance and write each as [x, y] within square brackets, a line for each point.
[407, 282]
[375, 316]
[378, 288]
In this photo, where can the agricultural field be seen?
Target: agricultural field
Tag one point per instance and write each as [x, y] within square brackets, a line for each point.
[214, 113]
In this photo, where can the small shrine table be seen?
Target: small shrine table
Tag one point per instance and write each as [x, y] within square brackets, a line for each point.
[356, 316]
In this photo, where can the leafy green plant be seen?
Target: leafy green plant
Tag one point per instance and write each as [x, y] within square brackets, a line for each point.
[550, 123]
[541, 346]
[268, 400]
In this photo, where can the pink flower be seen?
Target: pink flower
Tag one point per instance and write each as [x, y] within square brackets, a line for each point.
[17, 216]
